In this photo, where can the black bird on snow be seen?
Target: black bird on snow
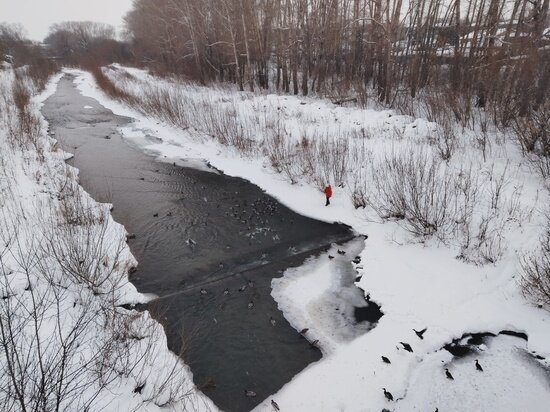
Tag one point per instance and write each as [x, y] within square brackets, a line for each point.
[314, 343]
[420, 333]
[275, 406]
[139, 388]
[341, 252]
[385, 360]
[330, 257]
[156, 215]
[406, 346]
[387, 394]
[448, 374]
[478, 366]
[304, 331]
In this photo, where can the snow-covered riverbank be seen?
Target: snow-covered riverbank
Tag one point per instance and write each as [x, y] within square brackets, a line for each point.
[66, 341]
[419, 283]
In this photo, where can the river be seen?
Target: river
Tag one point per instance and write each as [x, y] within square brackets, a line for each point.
[208, 245]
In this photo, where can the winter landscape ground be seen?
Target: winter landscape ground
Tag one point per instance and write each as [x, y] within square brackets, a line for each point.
[454, 282]
[448, 205]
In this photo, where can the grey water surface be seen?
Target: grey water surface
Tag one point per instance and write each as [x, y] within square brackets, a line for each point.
[208, 245]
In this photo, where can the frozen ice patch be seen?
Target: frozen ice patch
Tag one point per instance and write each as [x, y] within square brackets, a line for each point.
[322, 297]
[511, 380]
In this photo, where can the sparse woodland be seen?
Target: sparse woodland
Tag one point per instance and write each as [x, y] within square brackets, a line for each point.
[469, 54]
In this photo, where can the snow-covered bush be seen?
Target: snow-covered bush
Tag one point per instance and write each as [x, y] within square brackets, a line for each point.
[466, 206]
[536, 271]
[414, 187]
[533, 134]
[23, 125]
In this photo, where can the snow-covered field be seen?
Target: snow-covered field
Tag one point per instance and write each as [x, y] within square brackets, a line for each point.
[66, 342]
[417, 280]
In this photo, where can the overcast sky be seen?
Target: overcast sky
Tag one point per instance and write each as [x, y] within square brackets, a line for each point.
[37, 16]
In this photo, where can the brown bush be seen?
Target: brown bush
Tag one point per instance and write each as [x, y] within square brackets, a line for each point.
[535, 266]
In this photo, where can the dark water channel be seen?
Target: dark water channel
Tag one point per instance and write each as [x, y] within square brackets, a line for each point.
[199, 238]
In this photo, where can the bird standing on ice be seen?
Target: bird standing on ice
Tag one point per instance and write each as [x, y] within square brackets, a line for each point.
[478, 366]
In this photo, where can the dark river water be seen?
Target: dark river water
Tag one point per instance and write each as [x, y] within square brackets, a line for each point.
[200, 237]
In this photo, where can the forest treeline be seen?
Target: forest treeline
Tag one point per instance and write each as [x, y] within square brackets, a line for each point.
[486, 50]
[448, 57]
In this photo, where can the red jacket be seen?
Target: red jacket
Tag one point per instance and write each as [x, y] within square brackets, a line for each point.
[328, 191]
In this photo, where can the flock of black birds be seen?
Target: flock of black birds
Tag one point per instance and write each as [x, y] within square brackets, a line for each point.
[252, 215]
[408, 348]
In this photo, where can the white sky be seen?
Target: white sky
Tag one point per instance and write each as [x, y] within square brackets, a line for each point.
[36, 16]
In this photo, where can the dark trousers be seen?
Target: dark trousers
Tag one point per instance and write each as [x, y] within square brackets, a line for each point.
[328, 201]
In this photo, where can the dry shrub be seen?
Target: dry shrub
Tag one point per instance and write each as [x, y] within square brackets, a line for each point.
[415, 188]
[107, 85]
[535, 266]
[533, 134]
[430, 198]
[24, 125]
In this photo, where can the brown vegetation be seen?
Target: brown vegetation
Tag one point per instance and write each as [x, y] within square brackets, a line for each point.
[536, 272]
[475, 54]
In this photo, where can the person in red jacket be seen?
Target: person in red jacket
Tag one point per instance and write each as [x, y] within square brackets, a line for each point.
[328, 193]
